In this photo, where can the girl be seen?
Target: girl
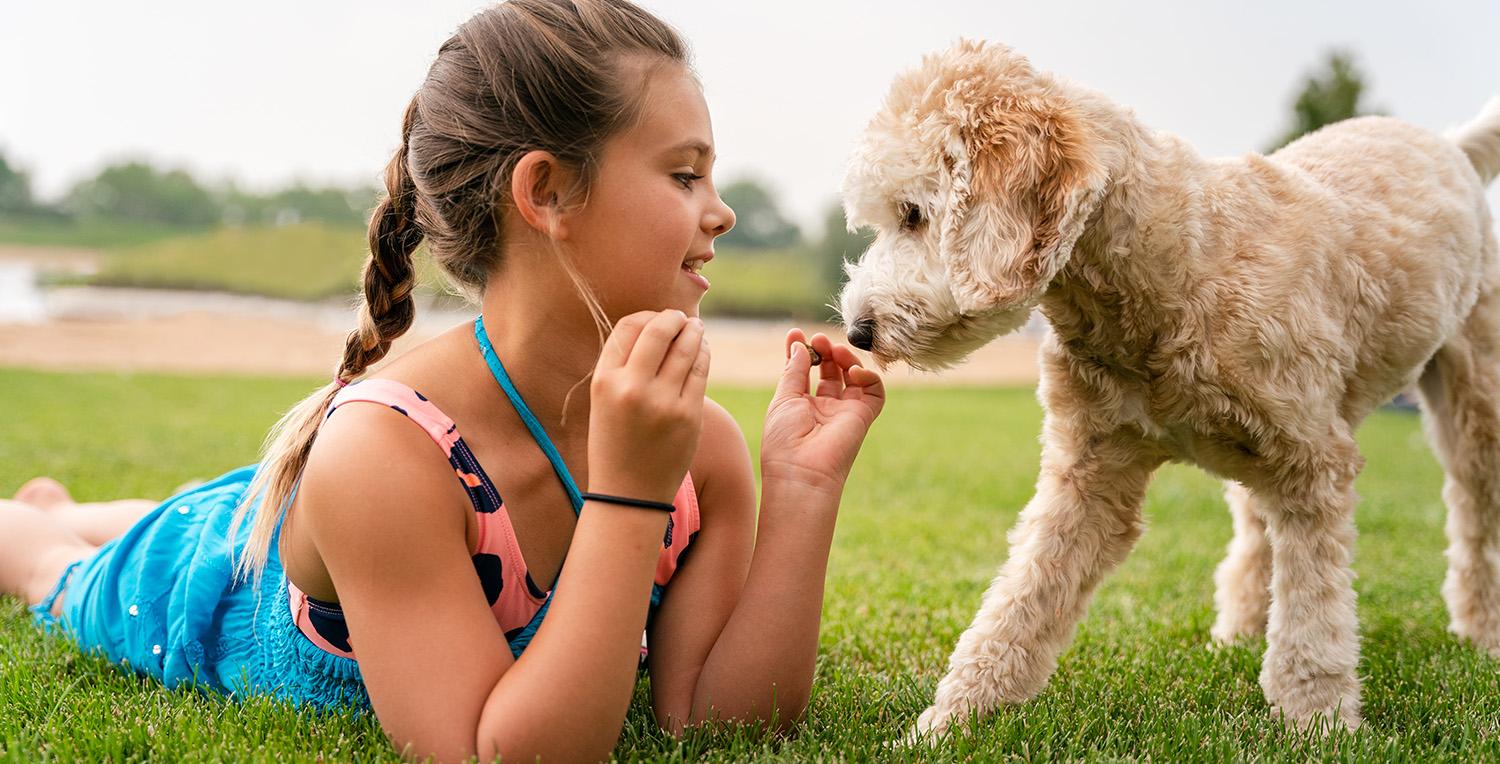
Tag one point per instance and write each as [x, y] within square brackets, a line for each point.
[556, 163]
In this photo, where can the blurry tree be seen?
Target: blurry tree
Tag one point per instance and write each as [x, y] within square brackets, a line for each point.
[758, 223]
[1326, 98]
[139, 192]
[838, 244]
[298, 203]
[15, 189]
[239, 207]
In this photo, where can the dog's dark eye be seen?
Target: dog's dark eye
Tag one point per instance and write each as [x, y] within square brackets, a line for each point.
[911, 216]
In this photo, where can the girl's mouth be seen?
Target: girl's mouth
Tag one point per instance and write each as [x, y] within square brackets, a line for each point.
[693, 275]
[692, 269]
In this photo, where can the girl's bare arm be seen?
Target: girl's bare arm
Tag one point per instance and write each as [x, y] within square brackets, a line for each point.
[746, 644]
[736, 637]
[435, 663]
[437, 667]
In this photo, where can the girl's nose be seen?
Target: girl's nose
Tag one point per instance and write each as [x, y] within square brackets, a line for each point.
[719, 219]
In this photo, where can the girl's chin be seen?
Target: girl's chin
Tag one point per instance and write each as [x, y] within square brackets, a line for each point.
[692, 306]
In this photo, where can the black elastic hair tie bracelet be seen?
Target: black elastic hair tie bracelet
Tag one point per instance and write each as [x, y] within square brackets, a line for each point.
[629, 502]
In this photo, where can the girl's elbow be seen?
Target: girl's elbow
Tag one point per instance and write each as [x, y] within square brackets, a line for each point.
[531, 748]
[780, 719]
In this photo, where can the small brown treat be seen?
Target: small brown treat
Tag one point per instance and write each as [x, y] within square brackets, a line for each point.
[813, 354]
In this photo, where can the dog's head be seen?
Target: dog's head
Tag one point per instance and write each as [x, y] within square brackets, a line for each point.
[978, 175]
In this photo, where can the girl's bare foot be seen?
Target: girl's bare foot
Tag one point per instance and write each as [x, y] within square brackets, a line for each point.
[44, 493]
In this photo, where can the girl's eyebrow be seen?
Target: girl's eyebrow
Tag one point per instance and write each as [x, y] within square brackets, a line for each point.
[694, 146]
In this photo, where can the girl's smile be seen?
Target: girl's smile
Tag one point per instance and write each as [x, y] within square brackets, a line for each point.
[693, 265]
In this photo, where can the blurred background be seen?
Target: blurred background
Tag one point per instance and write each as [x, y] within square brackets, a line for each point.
[184, 186]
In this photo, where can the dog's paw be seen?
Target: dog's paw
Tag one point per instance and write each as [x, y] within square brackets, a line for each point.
[1320, 722]
[1238, 635]
[1312, 701]
[1483, 636]
[932, 725]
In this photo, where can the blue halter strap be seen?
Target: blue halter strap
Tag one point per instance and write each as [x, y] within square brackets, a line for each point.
[537, 433]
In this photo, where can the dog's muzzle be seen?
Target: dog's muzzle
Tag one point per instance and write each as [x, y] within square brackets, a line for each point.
[862, 333]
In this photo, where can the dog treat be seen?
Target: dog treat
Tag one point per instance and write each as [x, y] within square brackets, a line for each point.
[813, 354]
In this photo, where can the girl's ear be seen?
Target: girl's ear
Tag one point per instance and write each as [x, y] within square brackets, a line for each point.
[538, 189]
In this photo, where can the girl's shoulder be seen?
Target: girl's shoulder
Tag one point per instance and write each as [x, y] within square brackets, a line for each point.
[371, 472]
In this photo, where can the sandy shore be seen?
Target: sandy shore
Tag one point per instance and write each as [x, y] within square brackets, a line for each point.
[91, 329]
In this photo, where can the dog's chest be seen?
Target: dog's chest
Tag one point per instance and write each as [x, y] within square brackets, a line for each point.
[1189, 417]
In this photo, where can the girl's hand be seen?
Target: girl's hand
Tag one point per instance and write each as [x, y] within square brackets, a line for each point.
[813, 439]
[646, 408]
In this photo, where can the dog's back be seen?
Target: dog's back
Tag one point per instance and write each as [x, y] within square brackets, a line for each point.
[1392, 163]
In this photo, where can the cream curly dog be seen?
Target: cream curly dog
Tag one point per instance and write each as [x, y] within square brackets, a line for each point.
[1240, 314]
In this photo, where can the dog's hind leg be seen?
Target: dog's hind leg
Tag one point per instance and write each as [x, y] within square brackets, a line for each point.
[1083, 520]
[1461, 402]
[1242, 582]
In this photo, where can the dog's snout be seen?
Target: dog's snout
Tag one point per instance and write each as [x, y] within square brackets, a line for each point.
[862, 334]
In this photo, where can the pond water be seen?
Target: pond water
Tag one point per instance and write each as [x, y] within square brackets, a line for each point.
[21, 299]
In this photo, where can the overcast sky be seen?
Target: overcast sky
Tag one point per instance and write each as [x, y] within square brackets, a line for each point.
[277, 90]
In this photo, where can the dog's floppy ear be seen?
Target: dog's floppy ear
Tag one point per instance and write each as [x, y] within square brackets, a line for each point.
[1022, 187]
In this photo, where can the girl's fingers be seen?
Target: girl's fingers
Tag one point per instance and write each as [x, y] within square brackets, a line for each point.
[792, 337]
[865, 387]
[651, 346]
[682, 354]
[798, 386]
[794, 376]
[845, 357]
[830, 376]
[696, 383]
[858, 380]
[864, 383]
[622, 338]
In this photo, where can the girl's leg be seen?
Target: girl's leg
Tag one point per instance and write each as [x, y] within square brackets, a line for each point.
[94, 522]
[35, 549]
[101, 522]
[43, 493]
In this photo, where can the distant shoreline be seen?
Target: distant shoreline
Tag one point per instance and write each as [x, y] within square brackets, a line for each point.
[109, 329]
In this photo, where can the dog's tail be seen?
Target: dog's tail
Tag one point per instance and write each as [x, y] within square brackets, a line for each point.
[1480, 140]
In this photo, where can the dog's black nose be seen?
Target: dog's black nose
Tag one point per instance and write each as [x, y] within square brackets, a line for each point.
[862, 334]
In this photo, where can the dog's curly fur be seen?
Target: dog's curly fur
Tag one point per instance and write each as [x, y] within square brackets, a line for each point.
[1240, 314]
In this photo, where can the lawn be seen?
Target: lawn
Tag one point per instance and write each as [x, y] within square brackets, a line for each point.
[921, 531]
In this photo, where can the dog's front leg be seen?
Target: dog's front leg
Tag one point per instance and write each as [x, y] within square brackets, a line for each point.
[1083, 520]
[1312, 638]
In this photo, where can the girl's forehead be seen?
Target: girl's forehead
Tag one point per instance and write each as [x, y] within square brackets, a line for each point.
[674, 115]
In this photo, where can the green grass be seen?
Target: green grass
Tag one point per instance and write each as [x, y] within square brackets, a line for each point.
[308, 261]
[88, 234]
[921, 532]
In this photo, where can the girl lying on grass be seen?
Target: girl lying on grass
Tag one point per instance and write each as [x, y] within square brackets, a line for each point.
[556, 163]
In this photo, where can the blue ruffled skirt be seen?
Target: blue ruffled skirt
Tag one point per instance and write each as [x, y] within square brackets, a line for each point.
[162, 600]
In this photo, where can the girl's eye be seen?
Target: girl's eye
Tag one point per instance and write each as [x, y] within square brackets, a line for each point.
[686, 178]
[911, 216]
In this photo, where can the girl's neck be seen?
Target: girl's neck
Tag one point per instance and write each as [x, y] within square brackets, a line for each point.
[549, 346]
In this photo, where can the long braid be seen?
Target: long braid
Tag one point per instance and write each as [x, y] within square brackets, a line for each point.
[386, 312]
[388, 276]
